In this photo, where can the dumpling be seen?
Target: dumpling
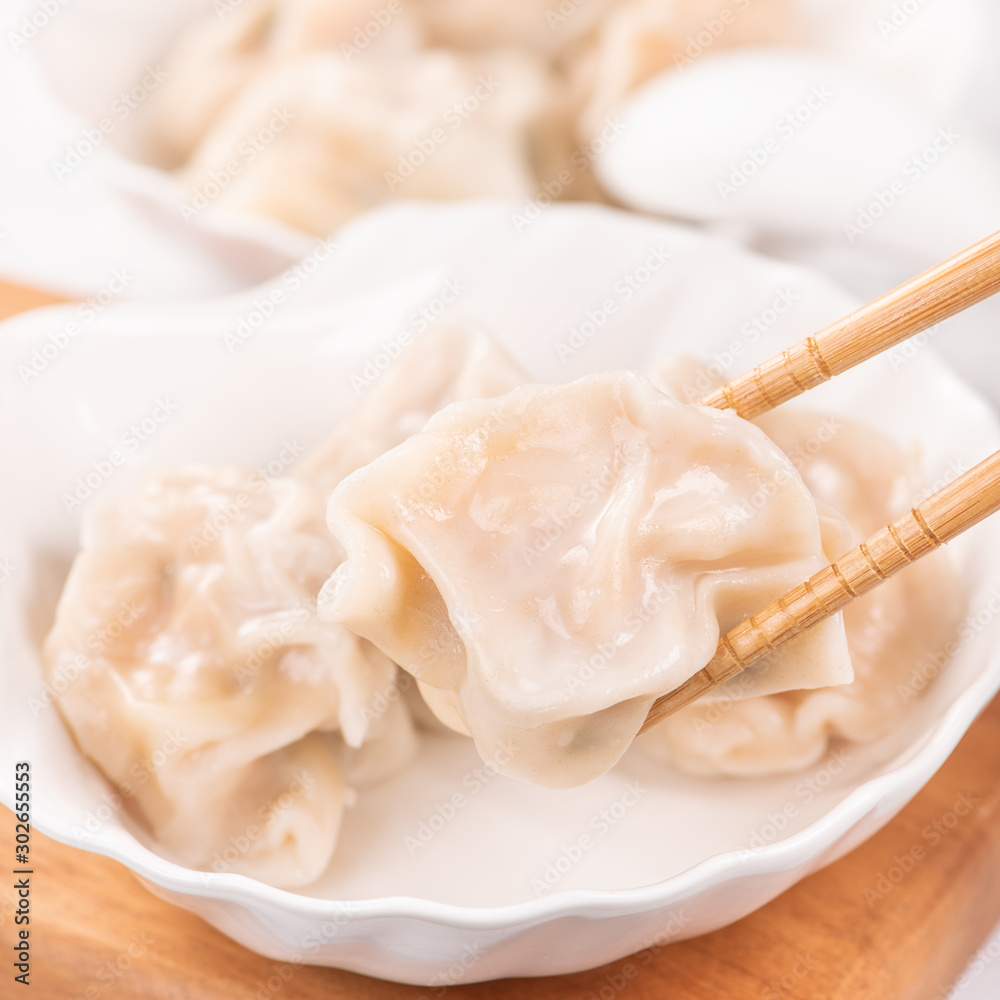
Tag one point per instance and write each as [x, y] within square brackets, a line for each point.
[316, 140]
[219, 54]
[899, 635]
[194, 671]
[548, 563]
[452, 360]
[203, 70]
[312, 111]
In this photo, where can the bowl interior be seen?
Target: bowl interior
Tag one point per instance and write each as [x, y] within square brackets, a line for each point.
[291, 379]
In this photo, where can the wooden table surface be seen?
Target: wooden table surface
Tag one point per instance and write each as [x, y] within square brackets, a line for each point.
[885, 923]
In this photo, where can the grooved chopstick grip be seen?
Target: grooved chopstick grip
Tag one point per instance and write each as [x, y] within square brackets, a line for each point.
[963, 503]
[954, 285]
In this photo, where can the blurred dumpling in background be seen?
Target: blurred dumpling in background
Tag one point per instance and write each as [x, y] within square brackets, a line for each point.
[217, 56]
[318, 140]
[311, 111]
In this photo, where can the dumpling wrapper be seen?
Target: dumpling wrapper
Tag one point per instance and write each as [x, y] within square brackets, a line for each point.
[192, 668]
[899, 634]
[548, 563]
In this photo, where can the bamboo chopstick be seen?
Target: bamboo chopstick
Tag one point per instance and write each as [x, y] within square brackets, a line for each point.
[944, 290]
[957, 283]
[963, 503]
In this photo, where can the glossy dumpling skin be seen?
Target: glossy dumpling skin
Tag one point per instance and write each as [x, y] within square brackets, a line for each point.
[548, 563]
[896, 633]
[188, 623]
[193, 670]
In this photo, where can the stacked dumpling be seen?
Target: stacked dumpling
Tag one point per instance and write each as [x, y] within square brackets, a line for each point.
[311, 112]
[202, 682]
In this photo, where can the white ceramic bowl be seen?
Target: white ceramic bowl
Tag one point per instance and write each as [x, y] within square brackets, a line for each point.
[688, 856]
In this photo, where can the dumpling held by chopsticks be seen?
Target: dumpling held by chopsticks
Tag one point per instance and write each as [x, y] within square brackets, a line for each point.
[548, 563]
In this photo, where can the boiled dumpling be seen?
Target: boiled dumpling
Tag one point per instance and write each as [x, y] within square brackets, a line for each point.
[219, 55]
[898, 635]
[311, 111]
[548, 563]
[314, 141]
[203, 70]
[200, 679]
[188, 626]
